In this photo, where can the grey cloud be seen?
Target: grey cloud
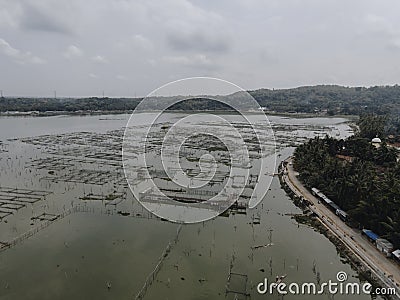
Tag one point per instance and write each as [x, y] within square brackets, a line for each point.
[17, 55]
[394, 45]
[34, 18]
[142, 42]
[73, 52]
[100, 59]
[378, 28]
[198, 41]
[253, 43]
[9, 13]
[197, 61]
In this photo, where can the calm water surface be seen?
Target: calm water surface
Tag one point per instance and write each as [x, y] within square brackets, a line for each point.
[78, 256]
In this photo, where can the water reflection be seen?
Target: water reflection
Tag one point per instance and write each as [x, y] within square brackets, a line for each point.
[108, 246]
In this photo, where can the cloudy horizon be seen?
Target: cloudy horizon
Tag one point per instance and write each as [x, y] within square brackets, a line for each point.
[129, 48]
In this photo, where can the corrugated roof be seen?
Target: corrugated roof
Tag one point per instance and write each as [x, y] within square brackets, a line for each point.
[327, 200]
[343, 213]
[315, 190]
[372, 235]
[385, 243]
[334, 205]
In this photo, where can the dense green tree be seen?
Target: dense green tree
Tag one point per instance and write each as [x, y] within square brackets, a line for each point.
[372, 126]
[367, 186]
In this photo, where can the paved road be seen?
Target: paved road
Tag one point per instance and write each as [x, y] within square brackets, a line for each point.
[385, 269]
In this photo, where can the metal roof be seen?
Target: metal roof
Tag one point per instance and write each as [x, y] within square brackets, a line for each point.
[342, 212]
[334, 205]
[384, 243]
[372, 235]
[376, 140]
[396, 253]
[315, 190]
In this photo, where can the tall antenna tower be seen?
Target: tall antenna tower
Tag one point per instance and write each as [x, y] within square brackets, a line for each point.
[55, 94]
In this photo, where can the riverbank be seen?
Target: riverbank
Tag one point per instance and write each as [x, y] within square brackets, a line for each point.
[351, 118]
[365, 259]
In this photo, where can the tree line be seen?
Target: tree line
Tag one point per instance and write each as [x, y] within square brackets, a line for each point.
[321, 99]
[380, 100]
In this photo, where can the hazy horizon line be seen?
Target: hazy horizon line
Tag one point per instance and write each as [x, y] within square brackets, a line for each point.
[248, 90]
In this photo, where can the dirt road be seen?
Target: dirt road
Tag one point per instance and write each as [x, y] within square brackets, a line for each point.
[383, 268]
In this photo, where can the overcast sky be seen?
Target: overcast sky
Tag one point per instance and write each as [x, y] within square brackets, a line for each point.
[128, 48]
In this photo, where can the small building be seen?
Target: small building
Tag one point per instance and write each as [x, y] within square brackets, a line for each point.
[333, 206]
[372, 236]
[342, 214]
[396, 255]
[315, 191]
[384, 246]
[376, 142]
